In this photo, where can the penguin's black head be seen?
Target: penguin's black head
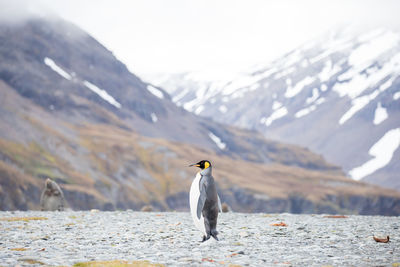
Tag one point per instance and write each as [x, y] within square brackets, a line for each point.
[49, 184]
[204, 164]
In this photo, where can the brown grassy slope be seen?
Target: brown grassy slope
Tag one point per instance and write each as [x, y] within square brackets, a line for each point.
[17, 189]
[147, 170]
[173, 175]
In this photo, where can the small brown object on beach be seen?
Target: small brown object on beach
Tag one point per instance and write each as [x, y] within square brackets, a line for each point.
[336, 216]
[381, 240]
[279, 224]
[225, 207]
[147, 208]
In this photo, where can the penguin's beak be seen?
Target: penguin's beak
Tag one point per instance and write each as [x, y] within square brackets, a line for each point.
[194, 164]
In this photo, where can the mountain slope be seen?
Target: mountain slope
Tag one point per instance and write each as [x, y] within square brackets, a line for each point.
[71, 111]
[106, 167]
[325, 95]
[67, 72]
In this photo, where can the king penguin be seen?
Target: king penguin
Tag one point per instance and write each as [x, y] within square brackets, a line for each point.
[204, 201]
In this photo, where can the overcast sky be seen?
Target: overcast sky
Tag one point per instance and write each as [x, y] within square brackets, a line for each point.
[165, 36]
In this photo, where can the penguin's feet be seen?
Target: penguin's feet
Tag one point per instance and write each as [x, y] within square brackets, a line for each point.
[215, 237]
[205, 238]
[214, 234]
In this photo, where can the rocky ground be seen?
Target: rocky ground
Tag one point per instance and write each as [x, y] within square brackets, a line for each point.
[170, 238]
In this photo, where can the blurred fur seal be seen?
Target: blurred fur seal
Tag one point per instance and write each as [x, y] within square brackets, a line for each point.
[52, 197]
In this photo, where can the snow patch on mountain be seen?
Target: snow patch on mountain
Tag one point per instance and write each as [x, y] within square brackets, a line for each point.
[243, 91]
[50, 63]
[304, 63]
[154, 117]
[380, 114]
[223, 109]
[241, 81]
[189, 106]
[155, 91]
[199, 109]
[277, 114]
[386, 84]
[359, 82]
[178, 97]
[382, 151]
[396, 96]
[221, 145]
[276, 105]
[313, 97]
[268, 72]
[357, 104]
[360, 102]
[293, 91]
[328, 71]
[284, 73]
[305, 111]
[103, 94]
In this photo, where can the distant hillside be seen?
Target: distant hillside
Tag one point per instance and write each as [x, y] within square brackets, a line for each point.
[69, 110]
[337, 95]
[74, 78]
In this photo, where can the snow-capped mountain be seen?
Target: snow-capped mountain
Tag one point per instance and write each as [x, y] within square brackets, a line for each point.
[339, 95]
[70, 111]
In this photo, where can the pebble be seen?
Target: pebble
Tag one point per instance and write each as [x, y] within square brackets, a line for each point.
[170, 238]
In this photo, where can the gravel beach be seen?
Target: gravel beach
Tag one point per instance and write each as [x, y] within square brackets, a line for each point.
[170, 238]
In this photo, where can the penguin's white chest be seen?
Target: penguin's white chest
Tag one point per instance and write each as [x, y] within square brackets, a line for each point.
[194, 199]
